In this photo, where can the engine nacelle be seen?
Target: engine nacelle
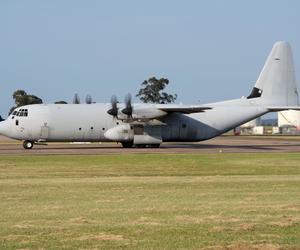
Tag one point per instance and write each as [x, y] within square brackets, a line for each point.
[120, 133]
[146, 112]
[142, 113]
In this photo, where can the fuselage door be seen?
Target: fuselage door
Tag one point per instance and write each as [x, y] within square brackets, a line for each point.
[183, 130]
[44, 132]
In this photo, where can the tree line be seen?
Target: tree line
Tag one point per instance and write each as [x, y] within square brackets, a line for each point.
[151, 91]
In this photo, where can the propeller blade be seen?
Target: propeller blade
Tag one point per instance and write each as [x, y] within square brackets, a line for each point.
[114, 106]
[128, 109]
[128, 99]
[76, 99]
[88, 99]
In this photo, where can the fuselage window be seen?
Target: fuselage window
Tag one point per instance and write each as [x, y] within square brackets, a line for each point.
[14, 113]
[79, 128]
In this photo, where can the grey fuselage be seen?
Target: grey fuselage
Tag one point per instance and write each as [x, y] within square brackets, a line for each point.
[275, 90]
[89, 122]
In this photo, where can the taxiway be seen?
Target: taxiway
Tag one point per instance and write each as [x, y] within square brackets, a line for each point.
[226, 144]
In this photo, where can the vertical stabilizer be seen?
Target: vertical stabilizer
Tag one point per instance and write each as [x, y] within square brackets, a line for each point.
[277, 82]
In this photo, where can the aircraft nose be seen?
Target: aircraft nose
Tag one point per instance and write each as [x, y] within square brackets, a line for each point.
[3, 128]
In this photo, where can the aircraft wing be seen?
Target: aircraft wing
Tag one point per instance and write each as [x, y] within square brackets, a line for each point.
[183, 108]
[152, 113]
[276, 109]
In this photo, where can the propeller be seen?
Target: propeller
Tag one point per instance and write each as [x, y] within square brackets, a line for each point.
[128, 108]
[76, 99]
[114, 106]
[88, 99]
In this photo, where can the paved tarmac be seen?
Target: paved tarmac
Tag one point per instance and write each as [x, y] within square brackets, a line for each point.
[226, 144]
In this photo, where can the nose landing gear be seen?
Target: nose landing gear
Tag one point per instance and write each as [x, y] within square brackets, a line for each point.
[27, 144]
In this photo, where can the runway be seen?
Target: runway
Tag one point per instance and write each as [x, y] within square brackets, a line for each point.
[222, 144]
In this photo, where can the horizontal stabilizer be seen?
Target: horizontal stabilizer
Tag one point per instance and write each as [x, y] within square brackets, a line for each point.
[276, 109]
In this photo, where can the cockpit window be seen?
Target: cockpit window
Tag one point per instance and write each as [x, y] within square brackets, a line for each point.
[20, 112]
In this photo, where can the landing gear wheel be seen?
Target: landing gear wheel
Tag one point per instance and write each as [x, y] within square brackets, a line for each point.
[140, 145]
[127, 144]
[154, 145]
[27, 144]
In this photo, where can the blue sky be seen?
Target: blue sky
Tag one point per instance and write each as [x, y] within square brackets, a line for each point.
[209, 50]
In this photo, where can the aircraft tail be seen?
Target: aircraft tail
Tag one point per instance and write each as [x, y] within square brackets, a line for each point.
[276, 84]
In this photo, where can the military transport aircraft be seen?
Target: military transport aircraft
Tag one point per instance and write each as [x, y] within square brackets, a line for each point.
[148, 125]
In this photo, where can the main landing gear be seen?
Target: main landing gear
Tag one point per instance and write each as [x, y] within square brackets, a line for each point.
[130, 145]
[27, 144]
[127, 144]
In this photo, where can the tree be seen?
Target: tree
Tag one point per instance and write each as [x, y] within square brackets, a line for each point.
[151, 92]
[22, 98]
[60, 102]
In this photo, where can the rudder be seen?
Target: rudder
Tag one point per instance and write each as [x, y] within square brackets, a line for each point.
[276, 83]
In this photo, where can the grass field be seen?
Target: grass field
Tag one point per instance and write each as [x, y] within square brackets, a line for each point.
[215, 201]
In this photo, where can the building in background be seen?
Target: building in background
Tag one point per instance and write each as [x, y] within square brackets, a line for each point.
[253, 127]
[289, 122]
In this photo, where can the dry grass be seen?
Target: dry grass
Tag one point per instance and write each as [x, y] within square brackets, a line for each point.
[215, 201]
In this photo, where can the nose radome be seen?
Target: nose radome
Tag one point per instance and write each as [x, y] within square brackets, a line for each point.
[3, 128]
